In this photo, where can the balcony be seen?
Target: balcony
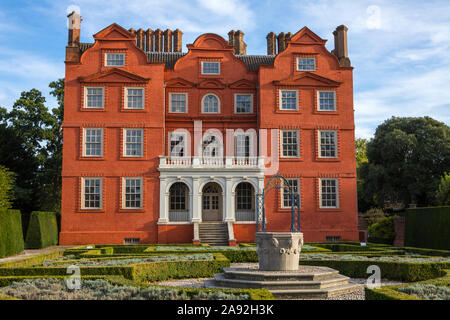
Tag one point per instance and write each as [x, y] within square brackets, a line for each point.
[211, 162]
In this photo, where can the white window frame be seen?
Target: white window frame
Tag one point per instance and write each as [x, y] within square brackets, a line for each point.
[184, 134]
[236, 145]
[186, 100]
[334, 100]
[124, 185]
[319, 144]
[320, 194]
[85, 97]
[280, 93]
[235, 102]
[124, 142]
[208, 73]
[83, 181]
[297, 64]
[115, 65]
[125, 106]
[299, 190]
[218, 104]
[102, 142]
[282, 145]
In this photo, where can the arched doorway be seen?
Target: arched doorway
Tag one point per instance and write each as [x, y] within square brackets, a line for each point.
[212, 202]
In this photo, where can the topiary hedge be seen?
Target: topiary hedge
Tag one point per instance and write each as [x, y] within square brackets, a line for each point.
[402, 271]
[428, 228]
[382, 231]
[11, 235]
[42, 230]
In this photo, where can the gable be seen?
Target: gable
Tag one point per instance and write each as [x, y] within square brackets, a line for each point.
[211, 84]
[307, 79]
[242, 84]
[306, 36]
[114, 75]
[114, 32]
[179, 83]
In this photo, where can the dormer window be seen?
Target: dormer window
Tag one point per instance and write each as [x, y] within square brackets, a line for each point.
[306, 64]
[210, 67]
[115, 59]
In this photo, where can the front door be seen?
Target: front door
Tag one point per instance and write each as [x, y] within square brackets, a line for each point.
[211, 202]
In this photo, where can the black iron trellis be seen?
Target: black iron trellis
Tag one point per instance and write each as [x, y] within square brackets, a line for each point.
[277, 182]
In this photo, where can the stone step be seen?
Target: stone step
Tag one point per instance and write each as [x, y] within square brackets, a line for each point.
[222, 280]
[315, 293]
[248, 274]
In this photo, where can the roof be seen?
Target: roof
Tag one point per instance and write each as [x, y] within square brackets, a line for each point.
[169, 58]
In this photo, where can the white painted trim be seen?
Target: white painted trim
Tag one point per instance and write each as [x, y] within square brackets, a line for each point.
[298, 145]
[337, 193]
[218, 62]
[296, 63]
[235, 102]
[124, 143]
[186, 99]
[83, 193]
[334, 100]
[218, 104]
[125, 98]
[123, 193]
[85, 99]
[319, 144]
[280, 101]
[121, 53]
[84, 143]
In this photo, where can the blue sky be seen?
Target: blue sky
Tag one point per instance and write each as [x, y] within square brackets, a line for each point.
[400, 49]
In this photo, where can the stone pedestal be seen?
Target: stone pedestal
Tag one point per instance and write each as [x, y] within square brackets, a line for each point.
[278, 251]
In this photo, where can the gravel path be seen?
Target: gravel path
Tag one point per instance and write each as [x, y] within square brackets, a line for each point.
[356, 295]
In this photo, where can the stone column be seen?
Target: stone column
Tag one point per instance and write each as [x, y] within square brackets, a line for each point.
[196, 197]
[163, 202]
[229, 195]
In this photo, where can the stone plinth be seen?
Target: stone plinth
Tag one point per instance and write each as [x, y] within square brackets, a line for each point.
[278, 251]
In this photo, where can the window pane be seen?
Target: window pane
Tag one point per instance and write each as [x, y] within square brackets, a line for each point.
[133, 142]
[210, 67]
[135, 98]
[306, 64]
[92, 193]
[327, 100]
[177, 145]
[178, 102]
[328, 144]
[94, 98]
[115, 59]
[93, 142]
[133, 193]
[243, 103]
[290, 145]
[288, 100]
[328, 193]
[210, 104]
[295, 189]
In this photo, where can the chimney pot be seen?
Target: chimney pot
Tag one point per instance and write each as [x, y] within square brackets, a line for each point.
[149, 40]
[177, 40]
[140, 39]
[74, 20]
[168, 40]
[158, 40]
[340, 46]
[271, 44]
[281, 42]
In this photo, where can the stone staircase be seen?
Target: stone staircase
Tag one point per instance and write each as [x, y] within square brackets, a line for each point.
[307, 282]
[213, 233]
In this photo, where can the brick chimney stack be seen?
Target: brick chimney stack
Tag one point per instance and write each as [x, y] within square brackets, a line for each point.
[271, 44]
[74, 29]
[281, 42]
[177, 40]
[140, 39]
[168, 40]
[340, 46]
[73, 44]
[231, 38]
[149, 40]
[158, 40]
[240, 47]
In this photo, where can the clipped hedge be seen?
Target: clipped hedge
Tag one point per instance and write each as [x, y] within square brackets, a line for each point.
[148, 271]
[402, 271]
[33, 260]
[11, 234]
[42, 230]
[428, 228]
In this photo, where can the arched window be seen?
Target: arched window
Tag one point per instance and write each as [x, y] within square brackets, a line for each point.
[245, 199]
[210, 104]
[178, 202]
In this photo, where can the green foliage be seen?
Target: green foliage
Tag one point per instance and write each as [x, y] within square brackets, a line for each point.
[42, 230]
[383, 229]
[443, 192]
[6, 187]
[386, 293]
[360, 151]
[11, 236]
[406, 157]
[393, 270]
[428, 228]
[374, 215]
[427, 291]
[32, 260]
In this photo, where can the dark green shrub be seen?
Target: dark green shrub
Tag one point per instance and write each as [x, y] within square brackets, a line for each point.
[11, 235]
[382, 230]
[42, 230]
[428, 228]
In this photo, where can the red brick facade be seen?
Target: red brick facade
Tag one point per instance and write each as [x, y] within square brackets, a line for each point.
[263, 78]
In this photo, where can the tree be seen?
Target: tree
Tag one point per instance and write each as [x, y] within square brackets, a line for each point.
[361, 151]
[406, 159]
[364, 202]
[6, 188]
[443, 192]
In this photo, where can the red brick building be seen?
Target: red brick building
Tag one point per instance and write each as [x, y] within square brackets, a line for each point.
[165, 146]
